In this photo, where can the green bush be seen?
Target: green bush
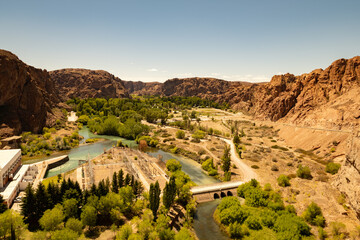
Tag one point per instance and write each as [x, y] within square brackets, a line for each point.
[173, 165]
[237, 231]
[332, 168]
[233, 214]
[283, 180]
[314, 216]
[198, 134]
[253, 223]
[304, 172]
[180, 134]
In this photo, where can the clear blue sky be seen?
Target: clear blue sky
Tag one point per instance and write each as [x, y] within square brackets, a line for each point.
[161, 39]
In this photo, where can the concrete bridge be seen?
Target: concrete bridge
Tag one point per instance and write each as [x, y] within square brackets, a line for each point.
[210, 192]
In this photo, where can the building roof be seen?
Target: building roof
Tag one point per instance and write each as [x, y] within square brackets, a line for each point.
[7, 155]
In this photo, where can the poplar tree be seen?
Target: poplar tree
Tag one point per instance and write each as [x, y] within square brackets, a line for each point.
[115, 187]
[28, 208]
[226, 160]
[127, 180]
[3, 206]
[169, 193]
[154, 197]
[121, 178]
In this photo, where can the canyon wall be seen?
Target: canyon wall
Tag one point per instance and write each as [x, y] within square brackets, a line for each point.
[27, 96]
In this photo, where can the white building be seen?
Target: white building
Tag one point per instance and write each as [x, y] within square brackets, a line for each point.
[10, 161]
[14, 176]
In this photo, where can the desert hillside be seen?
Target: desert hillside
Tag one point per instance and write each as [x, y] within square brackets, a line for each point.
[84, 83]
[27, 96]
[326, 98]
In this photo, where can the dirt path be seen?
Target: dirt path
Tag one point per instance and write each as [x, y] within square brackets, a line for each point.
[247, 171]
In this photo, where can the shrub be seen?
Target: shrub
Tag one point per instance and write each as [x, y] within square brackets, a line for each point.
[337, 228]
[208, 165]
[232, 214]
[313, 215]
[283, 181]
[173, 165]
[237, 231]
[180, 134]
[304, 172]
[253, 223]
[322, 234]
[198, 134]
[274, 168]
[255, 166]
[332, 168]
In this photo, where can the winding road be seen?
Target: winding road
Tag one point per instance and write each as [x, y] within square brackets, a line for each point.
[248, 172]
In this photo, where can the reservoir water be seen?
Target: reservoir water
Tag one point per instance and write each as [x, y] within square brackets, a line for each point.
[204, 224]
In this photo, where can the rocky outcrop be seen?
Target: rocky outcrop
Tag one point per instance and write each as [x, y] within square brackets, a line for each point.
[348, 178]
[84, 83]
[27, 96]
[328, 98]
[143, 88]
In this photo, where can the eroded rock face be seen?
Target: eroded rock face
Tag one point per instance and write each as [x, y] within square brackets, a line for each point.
[27, 96]
[348, 178]
[84, 83]
[143, 88]
[328, 98]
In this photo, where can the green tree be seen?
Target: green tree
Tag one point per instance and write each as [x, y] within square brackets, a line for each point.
[71, 208]
[89, 216]
[184, 234]
[154, 198]
[52, 219]
[64, 234]
[121, 178]
[114, 186]
[28, 209]
[74, 225]
[11, 225]
[169, 193]
[226, 160]
[236, 139]
[42, 200]
[313, 215]
[3, 205]
[124, 233]
[173, 165]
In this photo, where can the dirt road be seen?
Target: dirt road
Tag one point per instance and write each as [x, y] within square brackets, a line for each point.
[247, 171]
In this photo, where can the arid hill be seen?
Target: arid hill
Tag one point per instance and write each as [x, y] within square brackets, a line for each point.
[327, 98]
[84, 83]
[143, 88]
[27, 96]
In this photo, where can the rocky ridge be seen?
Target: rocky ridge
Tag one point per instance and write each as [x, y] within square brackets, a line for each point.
[328, 98]
[27, 96]
[84, 83]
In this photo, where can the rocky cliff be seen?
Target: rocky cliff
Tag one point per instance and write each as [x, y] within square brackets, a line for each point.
[27, 96]
[348, 178]
[143, 88]
[84, 83]
[327, 98]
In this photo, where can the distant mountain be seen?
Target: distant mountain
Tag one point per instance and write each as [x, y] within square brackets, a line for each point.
[330, 97]
[84, 83]
[27, 96]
